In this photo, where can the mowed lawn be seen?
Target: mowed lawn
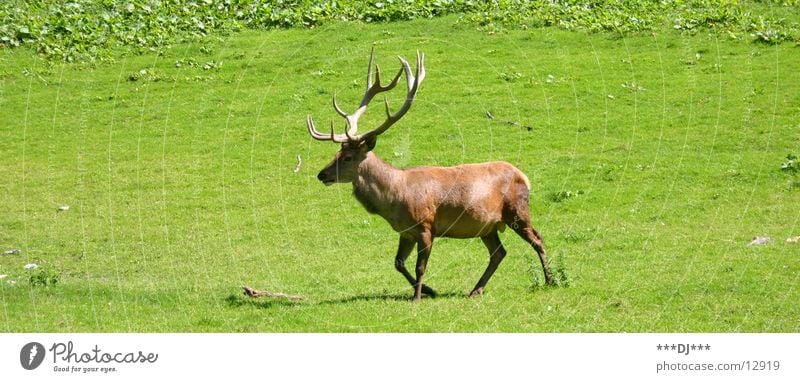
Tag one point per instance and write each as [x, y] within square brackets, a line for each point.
[655, 158]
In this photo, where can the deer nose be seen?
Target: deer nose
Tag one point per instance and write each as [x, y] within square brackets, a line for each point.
[321, 176]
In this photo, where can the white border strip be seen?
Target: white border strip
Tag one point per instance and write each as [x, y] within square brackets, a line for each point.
[404, 357]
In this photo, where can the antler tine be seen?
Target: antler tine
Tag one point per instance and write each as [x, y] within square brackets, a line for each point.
[312, 130]
[377, 77]
[386, 103]
[337, 108]
[350, 130]
[375, 81]
[410, 77]
[413, 82]
[420, 67]
[369, 68]
[394, 81]
[374, 86]
[352, 120]
[339, 138]
[419, 74]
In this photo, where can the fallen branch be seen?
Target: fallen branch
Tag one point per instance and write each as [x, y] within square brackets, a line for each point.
[250, 292]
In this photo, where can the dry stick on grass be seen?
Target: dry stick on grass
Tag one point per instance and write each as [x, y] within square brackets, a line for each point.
[510, 123]
[299, 162]
[250, 292]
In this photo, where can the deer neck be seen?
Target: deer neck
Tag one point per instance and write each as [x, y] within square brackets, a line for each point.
[376, 185]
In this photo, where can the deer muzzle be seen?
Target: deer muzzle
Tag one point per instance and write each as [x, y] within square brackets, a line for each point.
[325, 178]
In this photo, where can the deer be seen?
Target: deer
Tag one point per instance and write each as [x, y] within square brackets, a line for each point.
[423, 203]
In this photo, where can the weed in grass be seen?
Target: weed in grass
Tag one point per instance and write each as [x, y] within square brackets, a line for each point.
[608, 172]
[186, 62]
[212, 65]
[535, 271]
[147, 75]
[770, 31]
[557, 266]
[560, 268]
[560, 196]
[511, 75]
[633, 86]
[44, 276]
[791, 165]
[580, 236]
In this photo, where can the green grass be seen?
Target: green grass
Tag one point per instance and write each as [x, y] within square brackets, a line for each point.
[180, 185]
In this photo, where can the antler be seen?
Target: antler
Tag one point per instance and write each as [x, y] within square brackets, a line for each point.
[373, 88]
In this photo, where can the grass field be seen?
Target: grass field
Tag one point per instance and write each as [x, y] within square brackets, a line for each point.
[655, 159]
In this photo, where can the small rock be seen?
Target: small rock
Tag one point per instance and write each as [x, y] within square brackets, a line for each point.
[760, 240]
[15, 251]
[549, 308]
[3, 276]
[793, 240]
[63, 208]
[31, 266]
[11, 282]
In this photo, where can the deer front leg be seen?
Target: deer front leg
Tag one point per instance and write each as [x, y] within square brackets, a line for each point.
[424, 243]
[496, 255]
[403, 250]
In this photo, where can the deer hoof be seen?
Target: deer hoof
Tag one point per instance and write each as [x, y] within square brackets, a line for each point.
[476, 292]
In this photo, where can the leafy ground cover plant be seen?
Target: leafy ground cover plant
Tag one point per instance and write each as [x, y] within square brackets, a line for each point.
[87, 29]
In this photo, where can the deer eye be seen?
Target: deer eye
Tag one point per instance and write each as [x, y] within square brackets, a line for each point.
[348, 159]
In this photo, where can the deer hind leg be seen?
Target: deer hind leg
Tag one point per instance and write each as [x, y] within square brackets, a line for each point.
[496, 255]
[403, 250]
[424, 244]
[519, 221]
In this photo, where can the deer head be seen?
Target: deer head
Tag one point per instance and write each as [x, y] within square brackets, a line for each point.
[354, 147]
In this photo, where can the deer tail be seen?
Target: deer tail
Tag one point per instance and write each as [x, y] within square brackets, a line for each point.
[525, 179]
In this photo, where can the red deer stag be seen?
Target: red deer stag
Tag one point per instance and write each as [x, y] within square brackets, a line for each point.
[421, 203]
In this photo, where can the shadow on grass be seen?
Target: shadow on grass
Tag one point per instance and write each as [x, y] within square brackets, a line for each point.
[236, 300]
[387, 297]
[546, 287]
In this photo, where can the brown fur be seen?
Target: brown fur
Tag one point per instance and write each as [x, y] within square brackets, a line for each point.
[461, 201]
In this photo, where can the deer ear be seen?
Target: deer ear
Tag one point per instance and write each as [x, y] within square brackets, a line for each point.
[370, 142]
